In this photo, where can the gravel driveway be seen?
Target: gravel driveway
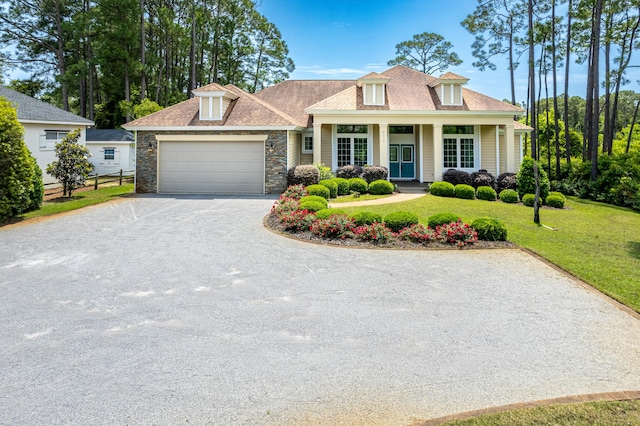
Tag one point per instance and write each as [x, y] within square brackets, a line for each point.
[168, 310]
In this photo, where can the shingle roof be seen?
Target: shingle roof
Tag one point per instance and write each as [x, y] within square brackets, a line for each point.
[519, 126]
[109, 135]
[246, 110]
[34, 110]
[293, 96]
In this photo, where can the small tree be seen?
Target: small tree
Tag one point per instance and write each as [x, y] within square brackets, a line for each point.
[426, 52]
[17, 167]
[72, 168]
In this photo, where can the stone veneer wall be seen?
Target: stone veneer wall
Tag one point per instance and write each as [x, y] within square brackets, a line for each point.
[275, 160]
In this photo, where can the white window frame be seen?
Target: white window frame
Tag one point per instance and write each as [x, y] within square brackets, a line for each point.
[304, 149]
[374, 94]
[211, 100]
[476, 149]
[336, 135]
[50, 144]
[105, 149]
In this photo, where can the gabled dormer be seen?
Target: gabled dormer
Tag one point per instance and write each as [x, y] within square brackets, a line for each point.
[449, 89]
[214, 101]
[373, 88]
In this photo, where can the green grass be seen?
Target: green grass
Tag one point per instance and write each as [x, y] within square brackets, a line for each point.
[596, 242]
[585, 414]
[351, 198]
[79, 200]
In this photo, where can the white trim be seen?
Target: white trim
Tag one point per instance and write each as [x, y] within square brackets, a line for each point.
[453, 114]
[302, 148]
[208, 128]
[62, 123]
[212, 138]
[421, 144]
[334, 143]
[476, 148]
[497, 150]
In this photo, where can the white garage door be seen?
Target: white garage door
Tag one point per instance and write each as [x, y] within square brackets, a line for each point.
[220, 167]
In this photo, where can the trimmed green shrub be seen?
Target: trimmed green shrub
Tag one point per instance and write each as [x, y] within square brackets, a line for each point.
[442, 219]
[315, 198]
[558, 194]
[343, 186]
[333, 187]
[528, 200]
[305, 174]
[373, 173]
[442, 189]
[325, 213]
[36, 194]
[366, 218]
[335, 226]
[507, 180]
[490, 229]
[464, 191]
[312, 206]
[398, 220]
[358, 184]
[455, 177]
[509, 196]
[324, 172]
[482, 178]
[486, 193]
[380, 187]
[320, 190]
[295, 191]
[526, 180]
[555, 201]
[349, 172]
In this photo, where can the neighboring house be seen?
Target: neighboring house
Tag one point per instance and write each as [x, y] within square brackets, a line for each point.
[227, 141]
[111, 150]
[44, 126]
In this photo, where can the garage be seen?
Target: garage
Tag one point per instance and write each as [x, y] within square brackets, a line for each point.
[211, 164]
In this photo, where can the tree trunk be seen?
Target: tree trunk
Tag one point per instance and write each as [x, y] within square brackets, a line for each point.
[143, 48]
[556, 125]
[567, 132]
[594, 89]
[633, 122]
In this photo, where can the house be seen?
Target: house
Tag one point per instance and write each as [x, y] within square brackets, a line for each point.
[44, 126]
[111, 150]
[227, 141]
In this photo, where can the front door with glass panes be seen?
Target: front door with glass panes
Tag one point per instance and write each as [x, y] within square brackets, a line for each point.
[352, 145]
[459, 147]
[402, 163]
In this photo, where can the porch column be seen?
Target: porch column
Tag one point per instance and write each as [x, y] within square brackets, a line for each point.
[317, 143]
[510, 148]
[438, 155]
[384, 145]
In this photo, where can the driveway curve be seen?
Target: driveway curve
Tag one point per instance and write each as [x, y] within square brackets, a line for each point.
[167, 310]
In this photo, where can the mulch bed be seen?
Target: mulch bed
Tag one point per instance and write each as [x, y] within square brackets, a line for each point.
[272, 223]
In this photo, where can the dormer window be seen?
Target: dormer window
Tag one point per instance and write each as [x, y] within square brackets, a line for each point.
[449, 89]
[373, 88]
[214, 101]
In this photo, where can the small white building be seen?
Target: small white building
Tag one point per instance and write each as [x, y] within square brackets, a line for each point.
[44, 126]
[112, 150]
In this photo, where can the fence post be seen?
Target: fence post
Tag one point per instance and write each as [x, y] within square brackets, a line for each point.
[120, 177]
[95, 186]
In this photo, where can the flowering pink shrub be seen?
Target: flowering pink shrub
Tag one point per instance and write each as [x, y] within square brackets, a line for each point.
[457, 233]
[418, 234]
[375, 232]
[297, 220]
[295, 191]
[335, 226]
[284, 205]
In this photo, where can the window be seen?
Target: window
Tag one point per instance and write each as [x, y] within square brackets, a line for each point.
[459, 147]
[307, 144]
[352, 145]
[51, 138]
[401, 130]
[109, 153]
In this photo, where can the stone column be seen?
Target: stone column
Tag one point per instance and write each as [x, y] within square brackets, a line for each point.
[438, 154]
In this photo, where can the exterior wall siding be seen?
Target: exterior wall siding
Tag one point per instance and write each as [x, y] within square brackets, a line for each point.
[275, 162]
[517, 154]
[122, 160]
[293, 149]
[427, 155]
[306, 159]
[488, 148]
[327, 146]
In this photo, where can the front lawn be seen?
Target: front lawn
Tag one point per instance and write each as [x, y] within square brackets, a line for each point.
[78, 200]
[351, 198]
[598, 243]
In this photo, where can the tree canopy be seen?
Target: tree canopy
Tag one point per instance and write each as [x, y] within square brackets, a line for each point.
[426, 52]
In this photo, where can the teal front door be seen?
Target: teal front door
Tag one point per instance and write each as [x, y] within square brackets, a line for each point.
[402, 164]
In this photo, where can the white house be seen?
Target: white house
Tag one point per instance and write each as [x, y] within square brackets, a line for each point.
[112, 150]
[44, 126]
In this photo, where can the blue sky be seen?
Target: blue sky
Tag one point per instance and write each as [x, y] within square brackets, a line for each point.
[346, 39]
